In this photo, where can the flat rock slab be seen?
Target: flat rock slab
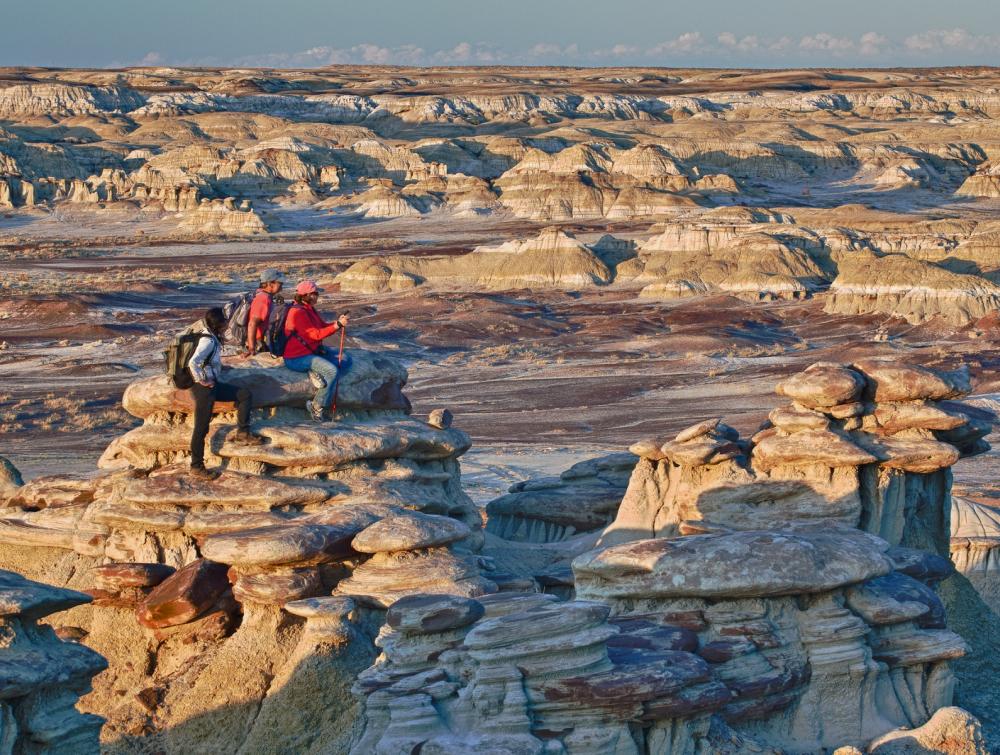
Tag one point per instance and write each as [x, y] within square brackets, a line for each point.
[231, 489]
[429, 614]
[112, 577]
[388, 577]
[374, 382]
[277, 588]
[893, 417]
[740, 564]
[24, 670]
[21, 596]
[410, 531]
[822, 447]
[823, 385]
[892, 381]
[294, 543]
[183, 597]
[322, 446]
[918, 455]
[921, 565]
[332, 607]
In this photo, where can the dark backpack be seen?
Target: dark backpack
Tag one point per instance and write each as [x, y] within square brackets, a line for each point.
[237, 313]
[275, 339]
[178, 356]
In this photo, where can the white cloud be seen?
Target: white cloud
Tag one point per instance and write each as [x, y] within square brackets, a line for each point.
[932, 47]
[872, 44]
[151, 59]
[945, 40]
[688, 42]
[730, 41]
[826, 43]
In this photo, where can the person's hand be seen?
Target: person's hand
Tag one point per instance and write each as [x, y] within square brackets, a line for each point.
[343, 320]
[205, 383]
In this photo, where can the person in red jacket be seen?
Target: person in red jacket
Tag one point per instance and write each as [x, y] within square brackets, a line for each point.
[304, 349]
[271, 282]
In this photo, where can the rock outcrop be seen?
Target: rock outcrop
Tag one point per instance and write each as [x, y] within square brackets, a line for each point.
[554, 259]
[190, 579]
[42, 676]
[912, 289]
[743, 591]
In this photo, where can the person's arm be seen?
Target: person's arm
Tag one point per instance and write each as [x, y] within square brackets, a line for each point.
[302, 325]
[258, 315]
[252, 327]
[199, 360]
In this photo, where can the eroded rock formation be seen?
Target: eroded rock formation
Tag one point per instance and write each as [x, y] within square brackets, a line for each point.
[221, 590]
[744, 591]
[42, 676]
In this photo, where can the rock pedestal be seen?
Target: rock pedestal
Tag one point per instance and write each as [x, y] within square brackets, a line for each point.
[192, 573]
[42, 677]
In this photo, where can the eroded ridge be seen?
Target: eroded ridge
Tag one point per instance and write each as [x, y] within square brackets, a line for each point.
[335, 585]
[212, 598]
[740, 593]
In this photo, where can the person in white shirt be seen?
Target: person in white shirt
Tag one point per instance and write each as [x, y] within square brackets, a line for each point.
[205, 367]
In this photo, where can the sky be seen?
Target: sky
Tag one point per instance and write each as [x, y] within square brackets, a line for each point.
[311, 33]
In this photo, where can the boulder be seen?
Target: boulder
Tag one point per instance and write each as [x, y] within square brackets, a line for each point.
[440, 418]
[950, 731]
[892, 381]
[428, 614]
[409, 531]
[741, 564]
[823, 384]
[185, 595]
[373, 382]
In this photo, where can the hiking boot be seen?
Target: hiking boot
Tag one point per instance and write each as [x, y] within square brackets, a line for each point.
[204, 474]
[248, 438]
[318, 415]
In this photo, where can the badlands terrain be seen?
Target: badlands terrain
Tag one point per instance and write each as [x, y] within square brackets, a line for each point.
[571, 261]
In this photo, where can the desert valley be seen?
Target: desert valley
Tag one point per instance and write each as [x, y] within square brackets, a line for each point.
[667, 429]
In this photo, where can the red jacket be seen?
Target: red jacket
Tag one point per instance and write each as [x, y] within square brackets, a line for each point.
[305, 322]
[260, 309]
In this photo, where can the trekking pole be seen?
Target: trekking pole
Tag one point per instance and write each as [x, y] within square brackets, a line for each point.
[340, 362]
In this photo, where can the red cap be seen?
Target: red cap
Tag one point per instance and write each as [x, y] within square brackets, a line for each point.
[307, 287]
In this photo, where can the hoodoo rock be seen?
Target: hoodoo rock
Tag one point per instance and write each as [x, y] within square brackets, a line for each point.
[41, 677]
[706, 592]
[190, 578]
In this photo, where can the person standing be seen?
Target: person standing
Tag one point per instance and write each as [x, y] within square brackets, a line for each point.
[205, 367]
[271, 283]
[304, 349]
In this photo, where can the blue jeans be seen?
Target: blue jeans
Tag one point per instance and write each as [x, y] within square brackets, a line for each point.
[323, 364]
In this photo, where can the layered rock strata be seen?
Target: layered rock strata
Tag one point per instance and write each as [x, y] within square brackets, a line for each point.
[190, 576]
[42, 676]
[772, 578]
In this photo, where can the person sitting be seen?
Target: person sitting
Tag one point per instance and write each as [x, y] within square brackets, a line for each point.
[304, 349]
[205, 367]
[271, 282]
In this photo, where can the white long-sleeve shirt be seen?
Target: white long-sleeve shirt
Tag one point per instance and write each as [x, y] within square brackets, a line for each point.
[206, 362]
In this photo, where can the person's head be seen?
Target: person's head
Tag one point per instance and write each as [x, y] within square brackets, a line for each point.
[307, 292]
[271, 280]
[215, 319]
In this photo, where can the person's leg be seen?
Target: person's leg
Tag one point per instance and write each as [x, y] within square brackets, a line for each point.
[204, 399]
[327, 370]
[241, 397]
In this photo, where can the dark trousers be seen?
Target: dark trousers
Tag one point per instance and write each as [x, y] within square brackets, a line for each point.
[204, 399]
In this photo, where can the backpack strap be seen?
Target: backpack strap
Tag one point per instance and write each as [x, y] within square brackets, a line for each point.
[302, 340]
